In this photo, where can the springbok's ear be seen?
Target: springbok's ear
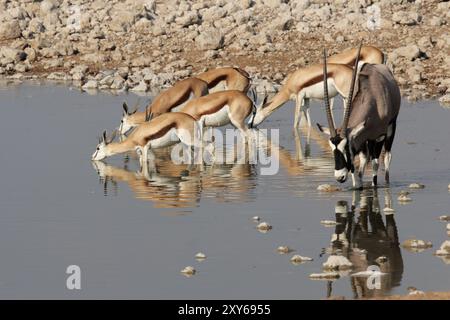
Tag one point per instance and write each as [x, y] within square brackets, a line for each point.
[125, 108]
[357, 130]
[325, 130]
[104, 137]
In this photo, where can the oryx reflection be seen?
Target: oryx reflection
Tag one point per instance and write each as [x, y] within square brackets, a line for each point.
[367, 237]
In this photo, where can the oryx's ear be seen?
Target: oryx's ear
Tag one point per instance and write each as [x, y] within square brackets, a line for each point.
[357, 130]
[323, 129]
[104, 137]
[125, 108]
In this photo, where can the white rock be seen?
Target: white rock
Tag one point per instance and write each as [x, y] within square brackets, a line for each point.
[444, 218]
[328, 188]
[329, 223]
[256, 218]
[444, 249]
[284, 249]
[141, 87]
[200, 256]
[91, 84]
[264, 226]
[416, 244]
[210, 40]
[188, 271]
[324, 276]
[416, 186]
[298, 259]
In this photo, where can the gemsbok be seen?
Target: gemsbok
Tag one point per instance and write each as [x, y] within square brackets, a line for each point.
[162, 131]
[170, 100]
[369, 122]
[306, 83]
[231, 78]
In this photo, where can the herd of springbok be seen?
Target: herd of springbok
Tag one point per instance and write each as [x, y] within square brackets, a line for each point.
[179, 114]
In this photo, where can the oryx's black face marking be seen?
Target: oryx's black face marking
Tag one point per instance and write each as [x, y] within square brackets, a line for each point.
[341, 154]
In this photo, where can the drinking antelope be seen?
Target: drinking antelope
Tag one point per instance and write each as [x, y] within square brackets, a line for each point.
[232, 78]
[168, 100]
[221, 108]
[163, 131]
[306, 83]
[369, 122]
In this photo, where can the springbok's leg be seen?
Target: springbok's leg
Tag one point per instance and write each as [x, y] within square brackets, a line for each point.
[298, 108]
[387, 148]
[305, 109]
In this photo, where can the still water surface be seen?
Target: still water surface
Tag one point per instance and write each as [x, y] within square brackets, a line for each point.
[131, 237]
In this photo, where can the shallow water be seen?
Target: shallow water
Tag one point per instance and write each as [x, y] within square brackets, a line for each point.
[131, 237]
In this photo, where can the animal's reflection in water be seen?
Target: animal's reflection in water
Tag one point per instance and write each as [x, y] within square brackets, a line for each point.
[367, 238]
[170, 185]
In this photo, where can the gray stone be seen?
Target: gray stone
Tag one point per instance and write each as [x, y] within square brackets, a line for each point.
[10, 30]
[210, 40]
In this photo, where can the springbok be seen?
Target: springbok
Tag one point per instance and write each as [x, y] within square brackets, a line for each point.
[221, 108]
[171, 99]
[232, 78]
[306, 83]
[369, 122]
[162, 131]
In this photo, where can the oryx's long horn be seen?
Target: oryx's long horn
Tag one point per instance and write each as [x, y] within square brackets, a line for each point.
[348, 108]
[325, 95]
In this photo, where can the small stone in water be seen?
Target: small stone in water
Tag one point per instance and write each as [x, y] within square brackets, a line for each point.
[324, 276]
[284, 249]
[200, 256]
[416, 186]
[256, 218]
[416, 244]
[404, 198]
[298, 259]
[328, 188]
[329, 222]
[444, 250]
[264, 227]
[444, 218]
[188, 271]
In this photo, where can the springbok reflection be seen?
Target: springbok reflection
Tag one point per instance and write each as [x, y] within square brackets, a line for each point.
[366, 240]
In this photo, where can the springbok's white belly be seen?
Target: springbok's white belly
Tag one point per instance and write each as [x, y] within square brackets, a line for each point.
[315, 91]
[218, 119]
[170, 138]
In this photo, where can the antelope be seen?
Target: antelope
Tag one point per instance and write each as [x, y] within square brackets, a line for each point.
[233, 78]
[221, 108]
[168, 100]
[163, 131]
[369, 122]
[306, 83]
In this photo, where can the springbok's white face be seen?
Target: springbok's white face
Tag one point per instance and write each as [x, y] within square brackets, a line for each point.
[100, 152]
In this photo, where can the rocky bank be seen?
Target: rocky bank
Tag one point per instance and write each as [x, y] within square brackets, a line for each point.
[141, 45]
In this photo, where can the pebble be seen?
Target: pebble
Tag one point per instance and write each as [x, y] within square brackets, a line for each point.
[284, 249]
[188, 271]
[388, 210]
[200, 256]
[324, 276]
[329, 223]
[298, 259]
[444, 249]
[328, 188]
[416, 244]
[416, 186]
[256, 218]
[404, 198]
[264, 227]
[444, 218]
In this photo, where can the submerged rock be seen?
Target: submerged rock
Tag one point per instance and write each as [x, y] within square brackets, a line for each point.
[416, 186]
[298, 259]
[324, 276]
[256, 218]
[444, 250]
[444, 218]
[264, 227]
[329, 223]
[188, 271]
[200, 256]
[284, 249]
[335, 262]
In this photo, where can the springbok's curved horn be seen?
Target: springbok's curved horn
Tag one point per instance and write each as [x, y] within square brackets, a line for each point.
[148, 115]
[348, 109]
[325, 95]
[125, 107]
